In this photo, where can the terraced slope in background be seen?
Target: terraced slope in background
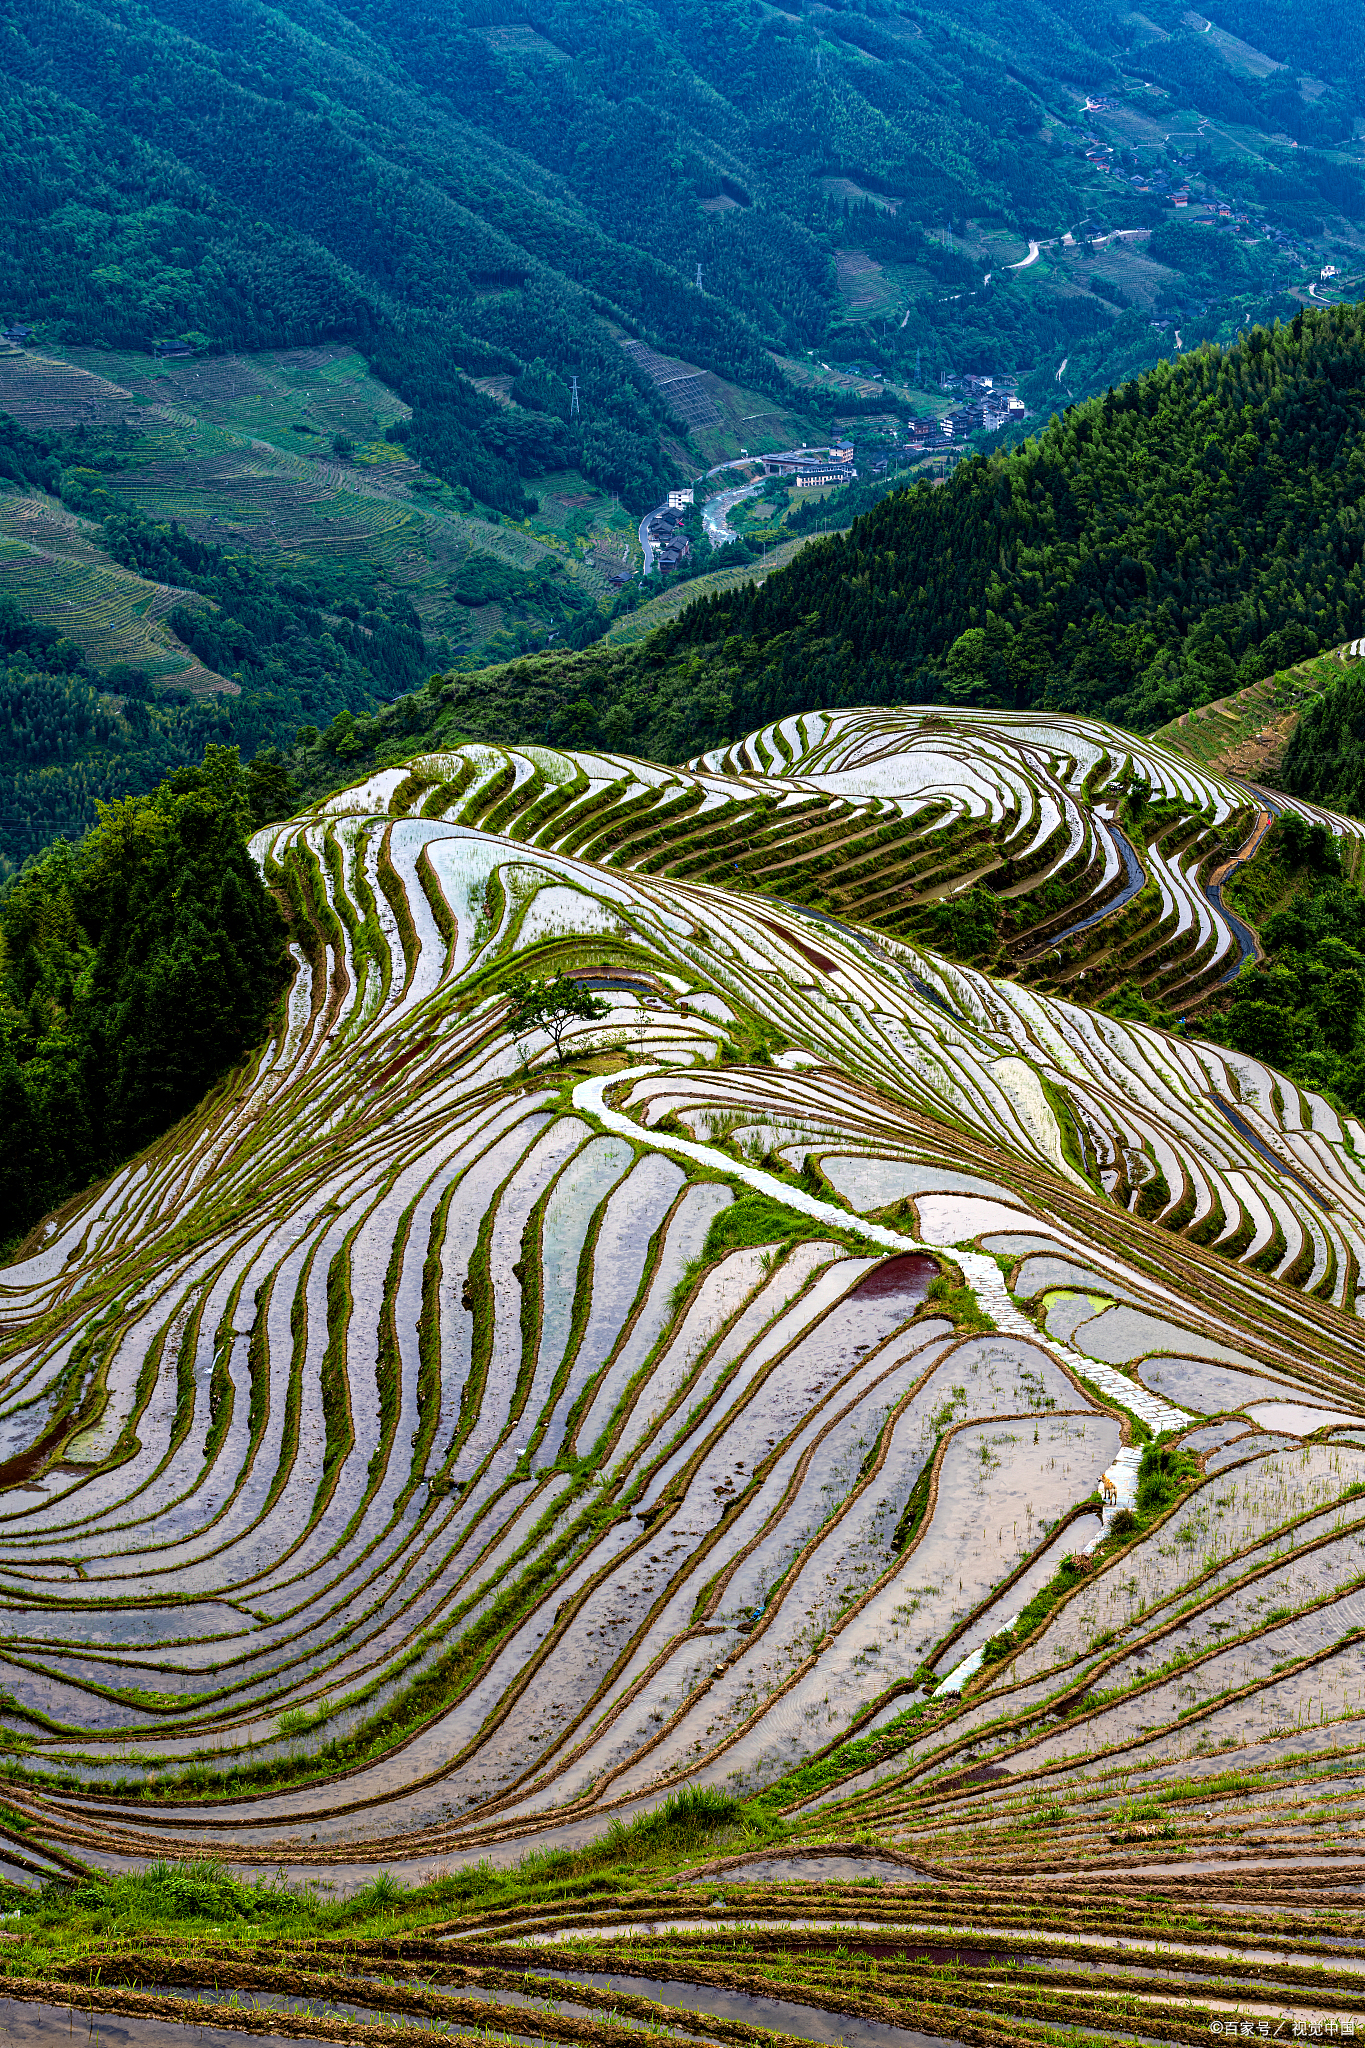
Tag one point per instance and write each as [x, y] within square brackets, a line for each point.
[238, 451]
[1083, 856]
[430, 1449]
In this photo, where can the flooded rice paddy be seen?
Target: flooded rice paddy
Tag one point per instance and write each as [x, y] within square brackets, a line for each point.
[436, 1450]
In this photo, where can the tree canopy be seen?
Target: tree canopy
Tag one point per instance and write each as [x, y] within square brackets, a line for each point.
[136, 967]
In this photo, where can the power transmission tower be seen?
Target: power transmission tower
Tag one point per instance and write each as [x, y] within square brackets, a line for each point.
[573, 400]
[699, 277]
[917, 357]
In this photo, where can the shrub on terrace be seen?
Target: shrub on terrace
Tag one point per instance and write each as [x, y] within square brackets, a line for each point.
[1163, 1472]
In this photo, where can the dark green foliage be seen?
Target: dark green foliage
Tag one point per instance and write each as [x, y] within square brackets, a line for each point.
[270, 789]
[1325, 758]
[135, 968]
[966, 926]
[1303, 1008]
[486, 580]
[1151, 550]
[551, 1006]
[268, 631]
[72, 737]
[1317, 38]
[462, 191]
[165, 1891]
[1162, 1475]
[1128, 1001]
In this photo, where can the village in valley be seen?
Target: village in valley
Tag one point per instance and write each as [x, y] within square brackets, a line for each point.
[761, 490]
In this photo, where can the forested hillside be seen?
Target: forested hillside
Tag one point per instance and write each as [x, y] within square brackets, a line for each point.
[507, 197]
[1153, 549]
[134, 969]
[1190, 531]
[1325, 757]
[299, 648]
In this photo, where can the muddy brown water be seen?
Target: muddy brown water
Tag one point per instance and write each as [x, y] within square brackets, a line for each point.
[907, 1276]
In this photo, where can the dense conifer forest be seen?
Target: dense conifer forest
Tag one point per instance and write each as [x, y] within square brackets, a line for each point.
[1151, 550]
[135, 967]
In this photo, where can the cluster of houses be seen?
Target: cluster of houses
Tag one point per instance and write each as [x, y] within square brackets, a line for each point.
[13, 339]
[988, 405]
[665, 531]
[812, 467]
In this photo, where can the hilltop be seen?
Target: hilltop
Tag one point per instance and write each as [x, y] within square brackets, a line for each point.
[682, 1263]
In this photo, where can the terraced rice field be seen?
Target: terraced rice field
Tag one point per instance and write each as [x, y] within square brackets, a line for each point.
[50, 561]
[1246, 734]
[237, 449]
[432, 1451]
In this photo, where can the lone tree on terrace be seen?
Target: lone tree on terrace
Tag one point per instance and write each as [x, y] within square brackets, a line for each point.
[551, 1006]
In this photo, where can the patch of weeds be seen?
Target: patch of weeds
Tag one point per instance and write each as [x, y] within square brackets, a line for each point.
[958, 1303]
[179, 1891]
[1162, 1475]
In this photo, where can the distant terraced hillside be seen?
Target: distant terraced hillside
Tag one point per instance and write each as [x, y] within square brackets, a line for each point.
[1067, 853]
[431, 1449]
[1246, 735]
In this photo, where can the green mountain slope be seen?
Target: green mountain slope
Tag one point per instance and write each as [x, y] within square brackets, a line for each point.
[1190, 531]
[476, 196]
[1194, 530]
[1325, 757]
